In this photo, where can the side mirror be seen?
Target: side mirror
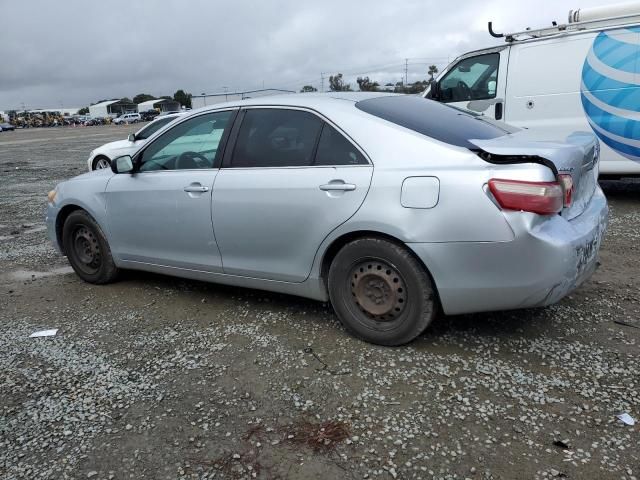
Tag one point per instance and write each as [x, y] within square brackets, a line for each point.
[491, 87]
[132, 137]
[434, 92]
[122, 164]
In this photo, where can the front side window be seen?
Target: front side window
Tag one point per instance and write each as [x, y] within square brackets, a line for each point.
[276, 138]
[335, 149]
[189, 145]
[152, 128]
[474, 78]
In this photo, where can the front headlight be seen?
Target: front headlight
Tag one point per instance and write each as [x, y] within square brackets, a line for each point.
[51, 196]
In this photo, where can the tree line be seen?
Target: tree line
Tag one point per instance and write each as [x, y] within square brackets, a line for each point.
[365, 84]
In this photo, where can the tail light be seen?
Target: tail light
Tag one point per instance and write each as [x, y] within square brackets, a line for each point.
[567, 185]
[544, 198]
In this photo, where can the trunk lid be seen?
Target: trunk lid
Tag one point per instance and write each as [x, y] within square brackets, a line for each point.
[578, 156]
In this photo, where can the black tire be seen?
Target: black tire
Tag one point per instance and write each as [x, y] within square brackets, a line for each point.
[87, 249]
[94, 165]
[380, 292]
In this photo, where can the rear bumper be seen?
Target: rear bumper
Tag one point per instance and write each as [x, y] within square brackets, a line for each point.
[548, 259]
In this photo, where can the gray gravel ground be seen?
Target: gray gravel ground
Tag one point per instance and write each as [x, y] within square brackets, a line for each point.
[156, 377]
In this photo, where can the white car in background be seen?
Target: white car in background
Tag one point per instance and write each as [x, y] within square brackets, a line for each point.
[101, 157]
[127, 118]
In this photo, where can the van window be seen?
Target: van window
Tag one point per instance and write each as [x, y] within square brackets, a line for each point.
[474, 78]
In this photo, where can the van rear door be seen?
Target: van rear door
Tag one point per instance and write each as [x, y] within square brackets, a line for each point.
[476, 81]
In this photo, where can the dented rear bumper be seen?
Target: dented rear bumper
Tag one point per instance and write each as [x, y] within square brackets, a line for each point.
[548, 258]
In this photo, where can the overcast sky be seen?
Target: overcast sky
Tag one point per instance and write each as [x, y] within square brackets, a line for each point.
[74, 52]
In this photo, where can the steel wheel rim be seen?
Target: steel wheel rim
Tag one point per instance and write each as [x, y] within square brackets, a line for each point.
[102, 163]
[86, 249]
[378, 290]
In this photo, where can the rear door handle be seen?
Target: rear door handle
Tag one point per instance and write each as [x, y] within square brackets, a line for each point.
[343, 187]
[196, 188]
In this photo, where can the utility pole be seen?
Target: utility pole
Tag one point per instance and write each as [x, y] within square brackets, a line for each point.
[406, 71]
[321, 82]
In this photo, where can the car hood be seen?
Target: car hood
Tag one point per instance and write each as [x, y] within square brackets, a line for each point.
[117, 145]
[87, 185]
[101, 172]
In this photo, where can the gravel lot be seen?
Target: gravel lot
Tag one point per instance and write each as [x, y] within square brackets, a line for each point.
[155, 377]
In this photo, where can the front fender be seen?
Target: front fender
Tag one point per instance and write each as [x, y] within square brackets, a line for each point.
[87, 192]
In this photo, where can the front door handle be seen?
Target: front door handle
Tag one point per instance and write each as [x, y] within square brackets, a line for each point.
[196, 188]
[337, 186]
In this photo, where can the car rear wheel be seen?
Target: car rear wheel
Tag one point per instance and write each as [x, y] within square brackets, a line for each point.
[101, 162]
[87, 249]
[380, 292]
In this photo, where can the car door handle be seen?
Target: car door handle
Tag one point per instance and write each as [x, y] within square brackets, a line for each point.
[332, 187]
[196, 189]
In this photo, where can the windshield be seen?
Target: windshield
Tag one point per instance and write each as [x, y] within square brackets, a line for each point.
[152, 128]
[454, 126]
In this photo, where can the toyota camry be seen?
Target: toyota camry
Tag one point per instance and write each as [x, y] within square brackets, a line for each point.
[390, 207]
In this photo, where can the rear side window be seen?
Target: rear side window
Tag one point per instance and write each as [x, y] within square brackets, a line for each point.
[335, 149]
[276, 138]
[435, 120]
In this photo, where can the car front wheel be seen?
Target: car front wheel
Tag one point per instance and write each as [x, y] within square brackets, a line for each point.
[380, 292]
[87, 249]
[101, 162]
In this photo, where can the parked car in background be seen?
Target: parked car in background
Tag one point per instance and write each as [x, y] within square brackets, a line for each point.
[91, 122]
[555, 80]
[148, 115]
[127, 118]
[281, 193]
[6, 127]
[101, 157]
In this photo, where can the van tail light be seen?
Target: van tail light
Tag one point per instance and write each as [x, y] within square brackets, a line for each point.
[567, 185]
[544, 198]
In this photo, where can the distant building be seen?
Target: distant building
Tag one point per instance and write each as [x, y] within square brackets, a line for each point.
[161, 104]
[111, 108]
[198, 101]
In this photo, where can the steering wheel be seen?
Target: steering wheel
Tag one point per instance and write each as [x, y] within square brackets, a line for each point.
[463, 90]
[190, 160]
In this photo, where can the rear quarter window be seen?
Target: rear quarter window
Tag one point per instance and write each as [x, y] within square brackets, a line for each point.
[435, 120]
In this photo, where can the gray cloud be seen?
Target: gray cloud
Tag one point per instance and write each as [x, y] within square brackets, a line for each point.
[76, 52]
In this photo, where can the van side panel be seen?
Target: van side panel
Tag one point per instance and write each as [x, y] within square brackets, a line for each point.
[544, 91]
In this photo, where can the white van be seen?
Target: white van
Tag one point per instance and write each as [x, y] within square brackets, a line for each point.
[127, 118]
[583, 75]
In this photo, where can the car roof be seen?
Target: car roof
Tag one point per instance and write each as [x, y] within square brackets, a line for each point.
[168, 115]
[315, 101]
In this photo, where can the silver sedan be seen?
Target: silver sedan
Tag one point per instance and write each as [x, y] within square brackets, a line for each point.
[391, 207]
